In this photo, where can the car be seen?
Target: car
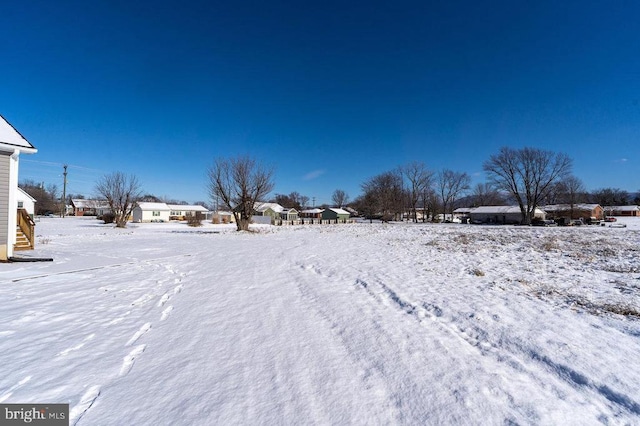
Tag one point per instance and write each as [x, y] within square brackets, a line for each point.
[547, 222]
[610, 219]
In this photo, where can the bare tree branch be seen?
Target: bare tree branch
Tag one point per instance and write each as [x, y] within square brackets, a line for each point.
[239, 183]
[121, 192]
[528, 174]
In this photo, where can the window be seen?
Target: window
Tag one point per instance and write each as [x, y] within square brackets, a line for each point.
[156, 213]
[20, 204]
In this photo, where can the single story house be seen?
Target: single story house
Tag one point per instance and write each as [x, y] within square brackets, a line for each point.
[222, 216]
[340, 215]
[275, 211]
[353, 212]
[180, 212]
[12, 144]
[311, 213]
[632, 211]
[82, 207]
[151, 212]
[577, 211]
[501, 214]
[27, 202]
[462, 211]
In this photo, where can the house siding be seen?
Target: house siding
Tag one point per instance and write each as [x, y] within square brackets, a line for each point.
[5, 179]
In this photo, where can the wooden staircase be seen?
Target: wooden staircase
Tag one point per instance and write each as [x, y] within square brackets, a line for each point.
[22, 242]
[25, 232]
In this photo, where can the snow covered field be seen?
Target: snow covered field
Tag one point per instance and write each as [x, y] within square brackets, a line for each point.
[339, 324]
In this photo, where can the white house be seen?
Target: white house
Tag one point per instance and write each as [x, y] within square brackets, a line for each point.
[12, 144]
[180, 212]
[82, 207]
[151, 212]
[27, 202]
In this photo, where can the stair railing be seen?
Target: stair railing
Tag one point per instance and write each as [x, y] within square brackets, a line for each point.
[27, 226]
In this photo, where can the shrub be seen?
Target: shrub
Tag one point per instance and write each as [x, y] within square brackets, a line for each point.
[109, 218]
[194, 220]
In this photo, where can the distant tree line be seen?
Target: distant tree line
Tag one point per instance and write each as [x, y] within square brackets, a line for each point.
[528, 177]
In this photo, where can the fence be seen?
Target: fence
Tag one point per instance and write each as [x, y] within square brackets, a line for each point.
[311, 221]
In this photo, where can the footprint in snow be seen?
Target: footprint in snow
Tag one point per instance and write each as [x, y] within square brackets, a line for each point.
[142, 299]
[127, 362]
[178, 289]
[85, 403]
[163, 299]
[146, 327]
[166, 313]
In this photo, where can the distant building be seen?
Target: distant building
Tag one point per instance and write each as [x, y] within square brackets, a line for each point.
[12, 144]
[583, 211]
[335, 214]
[633, 211]
[27, 202]
[181, 212]
[82, 207]
[151, 212]
[504, 215]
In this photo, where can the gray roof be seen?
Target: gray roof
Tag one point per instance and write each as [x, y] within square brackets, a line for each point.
[499, 210]
[565, 207]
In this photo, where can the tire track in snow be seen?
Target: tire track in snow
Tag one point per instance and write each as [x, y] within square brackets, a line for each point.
[479, 339]
[386, 352]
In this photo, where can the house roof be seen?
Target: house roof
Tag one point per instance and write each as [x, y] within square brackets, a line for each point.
[312, 211]
[11, 139]
[79, 203]
[500, 210]
[339, 211]
[187, 208]
[261, 207]
[565, 207]
[623, 208]
[22, 194]
[463, 210]
[144, 205]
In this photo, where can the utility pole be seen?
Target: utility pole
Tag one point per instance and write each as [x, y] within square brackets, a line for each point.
[314, 201]
[64, 192]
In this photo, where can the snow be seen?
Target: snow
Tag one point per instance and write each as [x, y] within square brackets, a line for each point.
[161, 323]
[10, 136]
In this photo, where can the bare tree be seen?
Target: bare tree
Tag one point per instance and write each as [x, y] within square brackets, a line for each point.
[121, 192]
[451, 185]
[429, 203]
[419, 180]
[304, 201]
[571, 191]
[610, 196]
[239, 183]
[47, 198]
[294, 200]
[527, 174]
[340, 198]
[384, 195]
[486, 195]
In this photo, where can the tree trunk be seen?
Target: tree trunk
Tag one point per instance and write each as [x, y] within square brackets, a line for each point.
[243, 224]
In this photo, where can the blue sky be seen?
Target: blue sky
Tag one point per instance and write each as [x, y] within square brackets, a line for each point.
[328, 93]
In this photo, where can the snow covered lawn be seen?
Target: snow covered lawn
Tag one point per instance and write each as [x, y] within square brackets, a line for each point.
[338, 324]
